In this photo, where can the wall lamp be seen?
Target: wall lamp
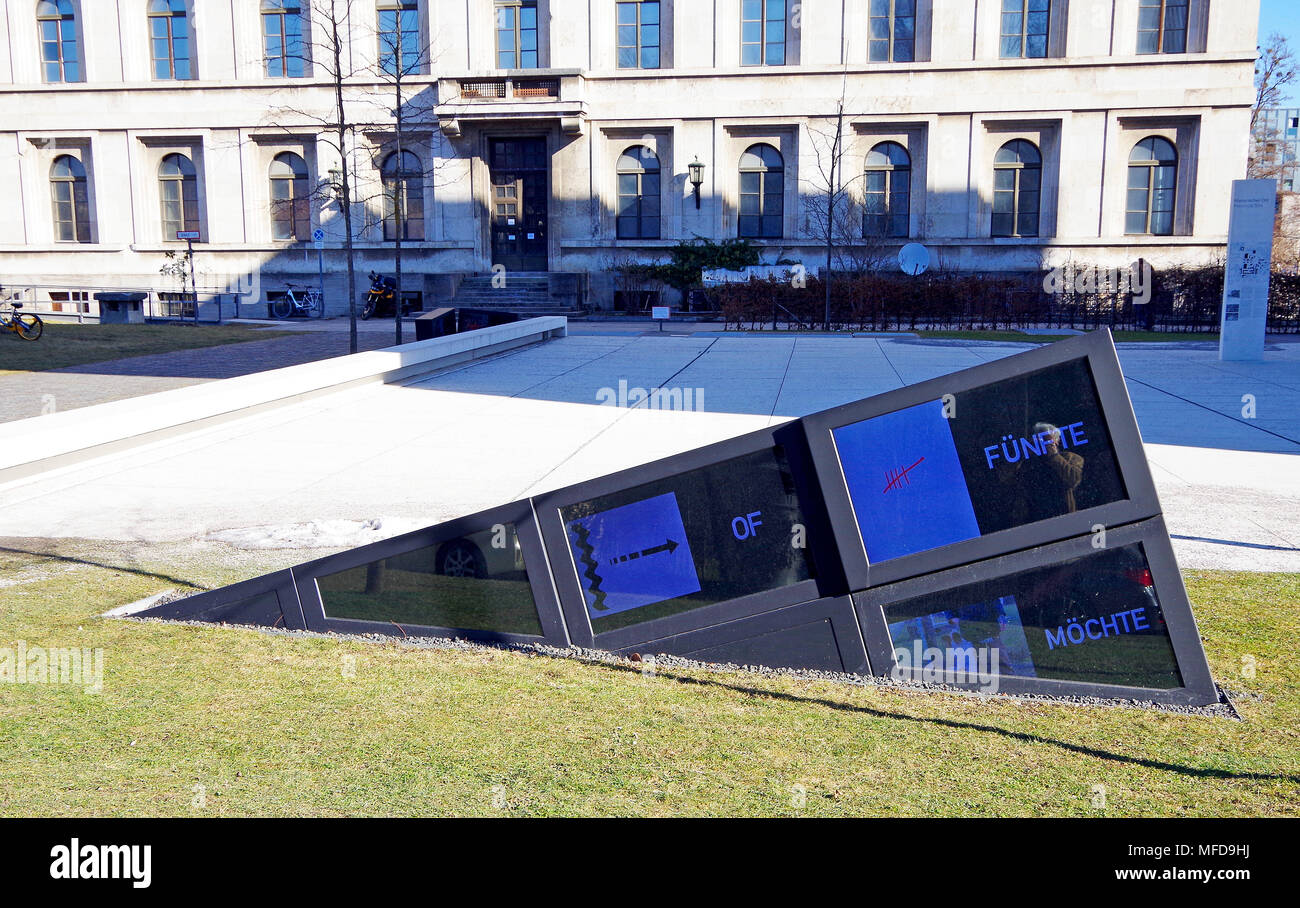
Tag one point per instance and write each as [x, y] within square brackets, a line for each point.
[697, 178]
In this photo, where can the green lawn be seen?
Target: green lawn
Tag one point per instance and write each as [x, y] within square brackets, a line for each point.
[64, 345]
[244, 722]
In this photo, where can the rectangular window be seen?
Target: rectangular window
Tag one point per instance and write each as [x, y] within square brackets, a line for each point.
[170, 43]
[1024, 28]
[638, 35]
[399, 36]
[282, 34]
[762, 33]
[893, 31]
[478, 583]
[517, 35]
[1162, 27]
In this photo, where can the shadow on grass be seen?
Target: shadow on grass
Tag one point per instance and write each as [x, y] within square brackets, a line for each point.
[1192, 771]
[55, 556]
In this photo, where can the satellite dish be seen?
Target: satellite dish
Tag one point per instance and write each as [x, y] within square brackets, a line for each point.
[914, 259]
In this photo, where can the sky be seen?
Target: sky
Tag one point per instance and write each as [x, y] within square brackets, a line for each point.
[1283, 17]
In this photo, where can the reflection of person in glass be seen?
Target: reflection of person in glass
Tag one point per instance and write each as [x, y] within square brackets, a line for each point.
[1054, 476]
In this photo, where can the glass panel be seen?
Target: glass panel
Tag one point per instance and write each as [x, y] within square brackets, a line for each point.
[1022, 450]
[650, 58]
[1011, 47]
[475, 583]
[713, 534]
[627, 14]
[1095, 619]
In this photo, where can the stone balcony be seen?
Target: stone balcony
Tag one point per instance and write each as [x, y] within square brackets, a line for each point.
[537, 95]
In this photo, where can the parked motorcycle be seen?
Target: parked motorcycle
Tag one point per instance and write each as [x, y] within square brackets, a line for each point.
[380, 296]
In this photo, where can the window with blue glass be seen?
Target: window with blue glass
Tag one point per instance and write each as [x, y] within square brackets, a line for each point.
[762, 32]
[170, 40]
[888, 191]
[638, 35]
[399, 36]
[1152, 188]
[60, 57]
[1162, 27]
[893, 31]
[282, 22]
[71, 203]
[517, 34]
[1024, 28]
[638, 194]
[1017, 189]
[762, 193]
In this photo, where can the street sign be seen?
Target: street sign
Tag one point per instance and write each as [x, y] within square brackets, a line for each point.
[661, 312]
[318, 238]
[187, 234]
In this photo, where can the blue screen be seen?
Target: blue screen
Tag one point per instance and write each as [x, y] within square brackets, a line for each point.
[633, 555]
[905, 481]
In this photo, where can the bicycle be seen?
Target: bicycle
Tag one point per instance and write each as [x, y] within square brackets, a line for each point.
[305, 301]
[24, 324]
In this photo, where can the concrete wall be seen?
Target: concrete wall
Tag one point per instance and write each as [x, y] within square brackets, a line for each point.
[1085, 105]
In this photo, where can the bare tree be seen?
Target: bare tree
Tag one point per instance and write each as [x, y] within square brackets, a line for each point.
[402, 55]
[330, 53]
[834, 217]
[1275, 70]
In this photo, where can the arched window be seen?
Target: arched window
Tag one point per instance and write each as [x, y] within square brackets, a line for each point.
[290, 206]
[638, 194]
[282, 22]
[71, 208]
[1017, 185]
[399, 36]
[1162, 27]
[403, 197]
[57, 23]
[169, 39]
[889, 191]
[762, 192]
[1152, 187]
[178, 191]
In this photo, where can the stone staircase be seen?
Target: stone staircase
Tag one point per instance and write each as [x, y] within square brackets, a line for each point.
[528, 293]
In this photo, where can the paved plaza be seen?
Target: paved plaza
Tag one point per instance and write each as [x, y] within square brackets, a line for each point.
[366, 463]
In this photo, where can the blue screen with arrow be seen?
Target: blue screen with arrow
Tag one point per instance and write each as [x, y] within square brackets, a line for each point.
[633, 555]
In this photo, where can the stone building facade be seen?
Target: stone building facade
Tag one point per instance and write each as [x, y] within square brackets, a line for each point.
[558, 135]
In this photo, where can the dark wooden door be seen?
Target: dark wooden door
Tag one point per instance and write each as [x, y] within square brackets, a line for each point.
[519, 198]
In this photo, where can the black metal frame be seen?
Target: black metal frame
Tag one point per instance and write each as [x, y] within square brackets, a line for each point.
[202, 605]
[837, 612]
[519, 513]
[1116, 410]
[826, 581]
[1198, 686]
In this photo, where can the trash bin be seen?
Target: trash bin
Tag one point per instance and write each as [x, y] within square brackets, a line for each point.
[121, 308]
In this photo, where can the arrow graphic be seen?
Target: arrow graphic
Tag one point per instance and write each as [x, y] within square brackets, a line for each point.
[670, 546]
